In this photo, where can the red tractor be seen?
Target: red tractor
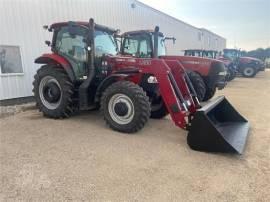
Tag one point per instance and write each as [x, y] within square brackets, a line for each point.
[230, 66]
[247, 66]
[85, 71]
[206, 74]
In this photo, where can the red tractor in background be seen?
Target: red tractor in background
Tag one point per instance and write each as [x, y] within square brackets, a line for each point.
[206, 74]
[230, 67]
[247, 66]
[85, 71]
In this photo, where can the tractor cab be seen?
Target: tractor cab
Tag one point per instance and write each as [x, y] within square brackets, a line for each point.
[141, 44]
[231, 54]
[71, 40]
[201, 53]
[212, 54]
[194, 52]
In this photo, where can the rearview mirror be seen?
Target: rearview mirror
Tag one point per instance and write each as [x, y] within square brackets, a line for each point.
[45, 27]
[48, 43]
[170, 38]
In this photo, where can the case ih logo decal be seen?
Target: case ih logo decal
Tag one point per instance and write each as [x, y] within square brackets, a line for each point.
[196, 62]
[145, 62]
[125, 60]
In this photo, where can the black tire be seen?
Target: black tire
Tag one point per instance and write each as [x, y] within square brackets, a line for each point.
[64, 106]
[158, 109]
[198, 84]
[138, 99]
[249, 71]
[210, 92]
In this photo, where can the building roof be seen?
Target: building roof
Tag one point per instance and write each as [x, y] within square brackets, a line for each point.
[176, 19]
[98, 26]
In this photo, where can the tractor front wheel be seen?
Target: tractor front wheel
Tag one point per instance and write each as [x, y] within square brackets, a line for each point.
[210, 92]
[158, 108]
[198, 84]
[53, 92]
[125, 106]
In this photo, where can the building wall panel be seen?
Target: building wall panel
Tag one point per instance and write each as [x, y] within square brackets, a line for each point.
[21, 25]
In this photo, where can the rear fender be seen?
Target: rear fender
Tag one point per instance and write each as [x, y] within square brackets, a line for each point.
[59, 61]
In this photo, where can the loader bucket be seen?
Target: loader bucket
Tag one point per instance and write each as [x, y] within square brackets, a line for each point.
[218, 127]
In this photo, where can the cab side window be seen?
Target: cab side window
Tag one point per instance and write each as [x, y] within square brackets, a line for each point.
[73, 46]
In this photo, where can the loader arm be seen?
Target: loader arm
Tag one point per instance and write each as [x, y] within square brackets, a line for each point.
[173, 88]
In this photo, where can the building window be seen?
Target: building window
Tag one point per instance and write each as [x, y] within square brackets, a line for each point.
[10, 60]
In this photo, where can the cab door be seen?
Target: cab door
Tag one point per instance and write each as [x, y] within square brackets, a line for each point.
[71, 44]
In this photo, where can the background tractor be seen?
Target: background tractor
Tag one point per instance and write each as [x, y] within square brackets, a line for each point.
[247, 66]
[85, 70]
[206, 74]
[230, 67]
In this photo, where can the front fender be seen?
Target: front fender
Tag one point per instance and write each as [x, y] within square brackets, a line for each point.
[107, 82]
[52, 58]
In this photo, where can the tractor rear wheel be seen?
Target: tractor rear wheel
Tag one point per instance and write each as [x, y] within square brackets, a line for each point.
[249, 72]
[210, 92]
[125, 106]
[53, 91]
[198, 84]
[158, 108]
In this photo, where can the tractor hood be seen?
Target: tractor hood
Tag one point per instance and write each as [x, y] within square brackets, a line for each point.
[191, 59]
[250, 59]
[202, 65]
[226, 61]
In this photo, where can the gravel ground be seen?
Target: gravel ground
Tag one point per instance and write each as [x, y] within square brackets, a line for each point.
[80, 159]
[14, 109]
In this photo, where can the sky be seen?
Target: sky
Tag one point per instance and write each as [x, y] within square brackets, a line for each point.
[244, 23]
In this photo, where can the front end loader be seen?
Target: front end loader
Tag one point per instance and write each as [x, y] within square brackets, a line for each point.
[206, 74]
[85, 71]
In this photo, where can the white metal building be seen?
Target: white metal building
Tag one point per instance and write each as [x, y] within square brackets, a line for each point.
[22, 37]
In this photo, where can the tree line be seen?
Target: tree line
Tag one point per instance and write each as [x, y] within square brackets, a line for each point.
[260, 53]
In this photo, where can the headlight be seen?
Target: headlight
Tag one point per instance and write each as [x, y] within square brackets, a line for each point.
[152, 79]
[222, 73]
[104, 63]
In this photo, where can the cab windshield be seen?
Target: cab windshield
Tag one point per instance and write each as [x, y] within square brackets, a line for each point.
[231, 54]
[105, 43]
[74, 44]
[140, 45]
[137, 45]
